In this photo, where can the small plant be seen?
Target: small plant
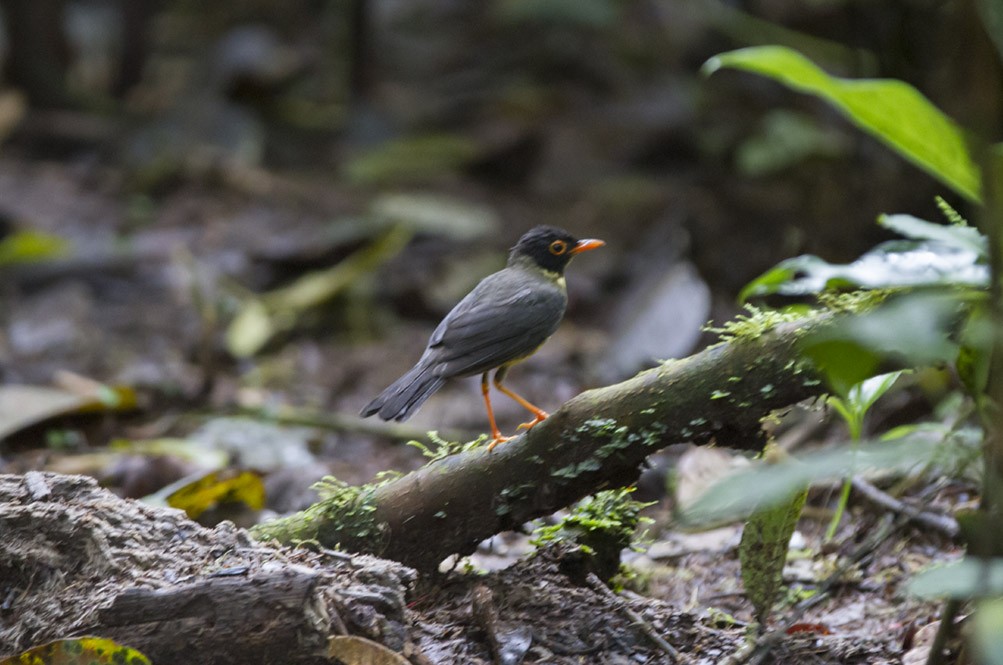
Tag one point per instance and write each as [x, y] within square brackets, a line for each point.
[853, 407]
[445, 448]
[601, 525]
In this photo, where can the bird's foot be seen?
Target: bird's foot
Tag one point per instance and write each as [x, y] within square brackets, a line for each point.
[540, 417]
[496, 439]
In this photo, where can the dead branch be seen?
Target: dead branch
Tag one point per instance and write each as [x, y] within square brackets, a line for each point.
[598, 440]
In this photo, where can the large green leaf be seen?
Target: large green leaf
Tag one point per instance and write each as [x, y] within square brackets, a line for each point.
[894, 112]
[967, 578]
[912, 330]
[763, 551]
[770, 483]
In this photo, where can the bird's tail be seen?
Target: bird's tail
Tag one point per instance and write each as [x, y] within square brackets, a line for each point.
[406, 394]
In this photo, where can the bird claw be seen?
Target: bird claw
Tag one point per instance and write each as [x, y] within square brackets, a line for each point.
[496, 440]
[540, 417]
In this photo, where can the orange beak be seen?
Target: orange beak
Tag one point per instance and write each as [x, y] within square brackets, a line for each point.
[587, 245]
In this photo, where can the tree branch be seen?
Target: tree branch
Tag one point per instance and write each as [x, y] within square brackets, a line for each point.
[597, 440]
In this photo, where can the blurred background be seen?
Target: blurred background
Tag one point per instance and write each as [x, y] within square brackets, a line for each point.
[225, 227]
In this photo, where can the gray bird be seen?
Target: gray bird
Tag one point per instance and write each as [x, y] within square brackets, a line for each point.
[505, 319]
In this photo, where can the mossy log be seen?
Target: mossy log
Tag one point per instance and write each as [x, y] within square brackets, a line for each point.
[597, 440]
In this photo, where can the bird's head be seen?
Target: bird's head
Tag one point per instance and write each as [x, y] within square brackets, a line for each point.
[550, 248]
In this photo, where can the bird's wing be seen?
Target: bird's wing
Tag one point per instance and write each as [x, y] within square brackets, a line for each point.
[496, 323]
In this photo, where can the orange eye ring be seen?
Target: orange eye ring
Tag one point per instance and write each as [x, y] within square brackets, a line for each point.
[558, 247]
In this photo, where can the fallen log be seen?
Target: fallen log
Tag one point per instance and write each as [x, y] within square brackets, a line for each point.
[597, 440]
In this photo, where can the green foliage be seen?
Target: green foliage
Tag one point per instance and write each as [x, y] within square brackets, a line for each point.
[950, 214]
[601, 525]
[786, 139]
[758, 322]
[891, 111]
[30, 246]
[764, 484]
[859, 399]
[445, 448]
[911, 330]
[970, 577]
[987, 633]
[763, 551]
[853, 406]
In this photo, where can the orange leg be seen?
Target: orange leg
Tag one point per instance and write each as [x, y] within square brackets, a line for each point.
[540, 414]
[496, 435]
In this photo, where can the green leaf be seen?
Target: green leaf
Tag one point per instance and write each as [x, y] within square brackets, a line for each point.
[912, 330]
[892, 111]
[970, 577]
[763, 551]
[987, 636]
[785, 140]
[30, 246]
[738, 495]
[863, 395]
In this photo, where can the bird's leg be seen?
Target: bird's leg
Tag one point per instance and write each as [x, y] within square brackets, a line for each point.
[540, 414]
[496, 435]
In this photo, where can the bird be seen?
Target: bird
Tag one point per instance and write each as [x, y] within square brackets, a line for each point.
[503, 320]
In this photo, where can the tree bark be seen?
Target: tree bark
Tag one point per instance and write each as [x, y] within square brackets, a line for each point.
[598, 440]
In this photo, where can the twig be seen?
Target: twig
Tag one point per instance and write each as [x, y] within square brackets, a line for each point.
[943, 523]
[947, 615]
[620, 604]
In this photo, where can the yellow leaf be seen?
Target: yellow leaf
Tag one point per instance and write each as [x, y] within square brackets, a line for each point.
[219, 487]
[79, 651]
[354, 650]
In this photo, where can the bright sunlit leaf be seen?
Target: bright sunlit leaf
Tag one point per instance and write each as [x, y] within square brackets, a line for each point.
[895, 264]
[892, 111]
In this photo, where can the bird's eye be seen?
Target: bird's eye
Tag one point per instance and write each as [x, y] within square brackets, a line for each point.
[558, 247]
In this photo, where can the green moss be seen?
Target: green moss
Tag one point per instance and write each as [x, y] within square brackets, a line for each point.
[754, 325]
[602, 525]
[443, 448]
[343, 513]
[853, 302]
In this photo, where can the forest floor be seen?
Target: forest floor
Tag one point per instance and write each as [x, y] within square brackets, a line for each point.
[142, 303]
